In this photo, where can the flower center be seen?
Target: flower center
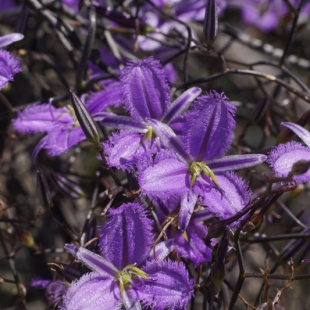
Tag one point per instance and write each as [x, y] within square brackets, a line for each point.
[125, 276]
[148, 135]
[197, 168]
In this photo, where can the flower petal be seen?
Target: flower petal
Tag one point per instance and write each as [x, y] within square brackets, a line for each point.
[168, 286]
[233, 196]
[162, 250]
[301, 132]
[103, 99]
[126, 148]
[10, 38]
[166, 178]
[236, 162]
[145, 89]
[37, 118]
[92, 291]
[61, 140]
[181, 104]
[93, 261]
[9, 66]
[126, 237]
[188, 202]
[284, 156]
[208, 128]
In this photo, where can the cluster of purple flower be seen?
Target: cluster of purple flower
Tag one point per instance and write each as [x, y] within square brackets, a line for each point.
[177, 151]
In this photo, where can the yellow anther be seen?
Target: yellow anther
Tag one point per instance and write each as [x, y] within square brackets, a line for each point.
[148, 135]
[197, 167]
[125, 276]
[185, 236]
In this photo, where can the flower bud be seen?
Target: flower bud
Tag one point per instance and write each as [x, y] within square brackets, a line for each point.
[44, 192]
[69, 187]
[210, 25]
[217, 229]
[85, 120]
[300, 167]
[26, 238]
[217, 275]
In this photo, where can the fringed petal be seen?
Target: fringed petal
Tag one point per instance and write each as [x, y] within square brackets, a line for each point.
[168, 177]
[236, 162]
[103, 99]
[168, 287]
[37, 118]
[125, 149]
[126, 237]
[9, 66]
[145, 89]
[193, 246]
[208, 129]
[284, 156]
[61, 140]
[301, 132]
[92, 292]
[225, 202]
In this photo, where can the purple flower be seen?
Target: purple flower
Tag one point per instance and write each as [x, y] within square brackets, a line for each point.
[9, 65]
[283, 157]
[199, 166]
[126, 273]
[54, 290]
[145, 94]
[267, 15]
[60, 124]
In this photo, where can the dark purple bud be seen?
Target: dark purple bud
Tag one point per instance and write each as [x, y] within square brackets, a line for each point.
[44, 191]
[121, 18]
[300, 167]
[85, 120]
[69, 187]
[210, 25]
[217, 275]
[217, 229]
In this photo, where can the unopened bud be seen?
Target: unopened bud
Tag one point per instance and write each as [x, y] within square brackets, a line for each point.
[25, 237]
[69, 187]
[210, 25]
[257, 219]
[249, 226]
[217, 275]
[300, 167]
[85, 120]
[43, 191]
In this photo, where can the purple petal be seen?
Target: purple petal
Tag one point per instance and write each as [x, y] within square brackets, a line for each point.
[284, 156]
[125, 149]
[92, 291]
[169, 139]
[40, 283]
[126, 237]
[235, 162]
[194, 248]
[301, 132]
[162, 250]
[181, 104]
[119, 121]
[101, 100]
[165, 178]
[9, 66]
[10, 38]
[145, 90]
[37, 118]
[209, 126]
[169, 286]
[233, 196]
[61, 140]
[130, 300]
[93, 261]
[41, 145]
[188, 202]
